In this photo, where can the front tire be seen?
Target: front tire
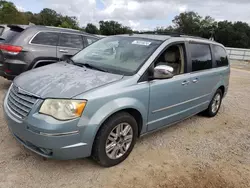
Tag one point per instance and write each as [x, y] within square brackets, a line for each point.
[115, 140]
[215, 104]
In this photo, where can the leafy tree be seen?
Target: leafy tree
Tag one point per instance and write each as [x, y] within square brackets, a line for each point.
[9, 14]
[233, 34]
[91, 28]
[162, 30]
[126, 30]
[49, 17]
[113, 28]
[188, 23]
[207, 27]
[68, 22]
[241, 35]
[230, 34]
[65, 24]
[31, 18]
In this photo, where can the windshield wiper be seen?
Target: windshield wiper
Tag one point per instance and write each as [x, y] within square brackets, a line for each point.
[71, 61]
[93, 67]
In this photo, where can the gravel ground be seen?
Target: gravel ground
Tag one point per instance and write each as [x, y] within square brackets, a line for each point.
[198, 152]
[245, 65]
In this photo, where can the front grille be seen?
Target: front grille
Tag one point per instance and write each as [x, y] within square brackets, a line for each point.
[19, 102]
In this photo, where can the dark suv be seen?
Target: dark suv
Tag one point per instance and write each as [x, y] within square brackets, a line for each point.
[29, 47]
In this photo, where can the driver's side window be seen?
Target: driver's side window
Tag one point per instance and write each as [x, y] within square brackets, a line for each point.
[173, 56]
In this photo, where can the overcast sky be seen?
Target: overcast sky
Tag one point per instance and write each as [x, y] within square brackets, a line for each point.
[140, 14]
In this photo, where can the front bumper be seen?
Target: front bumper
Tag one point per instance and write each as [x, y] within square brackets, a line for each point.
[45, 137]
[226, 91]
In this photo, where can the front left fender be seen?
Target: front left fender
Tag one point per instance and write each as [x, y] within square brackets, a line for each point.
[90, 126]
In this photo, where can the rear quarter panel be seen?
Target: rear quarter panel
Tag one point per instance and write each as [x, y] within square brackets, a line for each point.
[222, 75]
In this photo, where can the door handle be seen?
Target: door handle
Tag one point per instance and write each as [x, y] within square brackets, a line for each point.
[64, 51]
[185, 82]
[195, 80]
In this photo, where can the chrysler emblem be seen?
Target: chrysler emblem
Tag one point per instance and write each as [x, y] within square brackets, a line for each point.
[18, 89]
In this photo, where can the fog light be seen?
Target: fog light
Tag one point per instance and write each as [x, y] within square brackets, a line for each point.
[46, 151]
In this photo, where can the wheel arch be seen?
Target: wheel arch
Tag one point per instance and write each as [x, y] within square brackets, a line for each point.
[130, 105]
[43, 60]
[133, 112]
[222, 88]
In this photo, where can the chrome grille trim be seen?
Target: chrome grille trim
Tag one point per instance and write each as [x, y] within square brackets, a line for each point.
[14, 109]
[24, 97]
[19, 103]
[19, 106]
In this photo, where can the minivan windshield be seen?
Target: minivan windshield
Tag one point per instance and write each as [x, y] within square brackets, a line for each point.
[118, 54]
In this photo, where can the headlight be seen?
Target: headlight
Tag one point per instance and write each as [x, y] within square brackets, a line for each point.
[63, 109]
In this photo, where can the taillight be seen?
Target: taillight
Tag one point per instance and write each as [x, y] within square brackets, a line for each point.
[10, 48]
[7, 71]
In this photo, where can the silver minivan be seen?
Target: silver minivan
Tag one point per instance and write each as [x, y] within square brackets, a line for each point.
[101, 100]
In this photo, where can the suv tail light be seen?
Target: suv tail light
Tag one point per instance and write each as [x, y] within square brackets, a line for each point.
[11, 49]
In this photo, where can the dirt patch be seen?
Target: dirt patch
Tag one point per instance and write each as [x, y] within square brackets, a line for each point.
[244, 65]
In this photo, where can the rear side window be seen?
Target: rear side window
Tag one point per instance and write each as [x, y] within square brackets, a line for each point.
[220, 54]
[91, 40]
[8, 34]
[71, 40]
[201, 56]
[46, 38]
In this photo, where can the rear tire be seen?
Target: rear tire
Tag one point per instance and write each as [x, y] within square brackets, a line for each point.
[214, 105]
[112, 145]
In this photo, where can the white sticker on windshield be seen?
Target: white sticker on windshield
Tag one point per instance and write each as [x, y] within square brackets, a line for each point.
[140, 42]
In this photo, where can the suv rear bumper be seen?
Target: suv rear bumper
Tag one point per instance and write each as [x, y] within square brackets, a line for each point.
[7, 76]
[11, 70]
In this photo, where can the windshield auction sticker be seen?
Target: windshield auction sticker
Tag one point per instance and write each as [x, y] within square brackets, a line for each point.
[140, 42]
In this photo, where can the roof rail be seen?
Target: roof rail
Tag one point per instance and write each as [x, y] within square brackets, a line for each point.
[173, 34]
[194, 37]
[176, 34]
[53, 27]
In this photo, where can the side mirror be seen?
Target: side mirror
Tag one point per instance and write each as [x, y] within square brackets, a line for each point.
[65, 57]
[163, 72]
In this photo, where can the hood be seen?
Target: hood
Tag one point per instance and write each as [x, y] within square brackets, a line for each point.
[62, 80]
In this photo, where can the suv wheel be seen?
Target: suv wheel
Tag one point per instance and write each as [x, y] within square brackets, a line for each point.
[115, 140]
[214, 105]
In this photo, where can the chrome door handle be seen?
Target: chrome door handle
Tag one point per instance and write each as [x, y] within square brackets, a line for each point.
[185, 82]
[64, 51]
[195, 80]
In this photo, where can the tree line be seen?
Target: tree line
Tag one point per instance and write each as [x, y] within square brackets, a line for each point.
[231, 34]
